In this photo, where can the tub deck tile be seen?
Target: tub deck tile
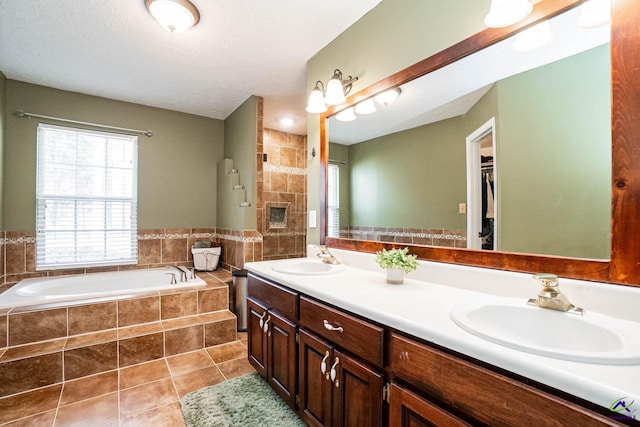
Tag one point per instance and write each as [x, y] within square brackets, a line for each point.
[94, 338]
[139, 330]
[33, 349]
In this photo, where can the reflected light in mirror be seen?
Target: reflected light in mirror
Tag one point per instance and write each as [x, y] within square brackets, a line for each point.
[594, 13]
[366, 107]
[503, 13]
[533, 38]
[388, 96]
[347, 115]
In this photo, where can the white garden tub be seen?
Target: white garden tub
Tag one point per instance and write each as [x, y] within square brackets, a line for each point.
[93, 285]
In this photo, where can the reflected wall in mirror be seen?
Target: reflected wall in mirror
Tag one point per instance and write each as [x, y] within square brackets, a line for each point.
[402, 173]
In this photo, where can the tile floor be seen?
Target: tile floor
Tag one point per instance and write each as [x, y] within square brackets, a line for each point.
[146, 395]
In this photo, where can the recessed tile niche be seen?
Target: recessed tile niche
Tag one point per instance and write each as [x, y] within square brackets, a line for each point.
[277, 216]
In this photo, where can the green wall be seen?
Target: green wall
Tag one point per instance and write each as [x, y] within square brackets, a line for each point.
[176, 167]
[415, 178]
[555, 194]
[392, 36]
[3, 114]
[240, 139]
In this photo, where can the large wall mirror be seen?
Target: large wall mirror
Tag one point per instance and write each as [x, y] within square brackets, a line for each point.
[496, 155]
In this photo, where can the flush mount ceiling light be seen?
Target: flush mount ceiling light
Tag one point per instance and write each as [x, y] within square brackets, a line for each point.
[337, 89]
[503, 13]
[388, 96]
[174, 15]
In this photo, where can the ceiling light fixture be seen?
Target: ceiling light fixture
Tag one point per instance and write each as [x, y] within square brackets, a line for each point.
[503, 13]
[174, 15]
[337, 89]
[388, 96]
[287, 121]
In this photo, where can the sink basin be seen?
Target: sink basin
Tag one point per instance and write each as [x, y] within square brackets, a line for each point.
[590, 338]
[307, 268]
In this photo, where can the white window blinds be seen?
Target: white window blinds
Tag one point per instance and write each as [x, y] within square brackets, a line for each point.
[333, 201]
[86, 198]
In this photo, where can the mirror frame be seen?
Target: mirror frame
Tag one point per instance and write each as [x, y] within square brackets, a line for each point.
[623, 267]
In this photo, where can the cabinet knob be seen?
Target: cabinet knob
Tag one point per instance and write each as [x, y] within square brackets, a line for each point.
[323, 365]
[329, 327]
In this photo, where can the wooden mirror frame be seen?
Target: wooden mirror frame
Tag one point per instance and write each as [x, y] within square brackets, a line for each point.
[624, 264]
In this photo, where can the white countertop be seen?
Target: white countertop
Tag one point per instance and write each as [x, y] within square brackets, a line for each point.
[421, 308]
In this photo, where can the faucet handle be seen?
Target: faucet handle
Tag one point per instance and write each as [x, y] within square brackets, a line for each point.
[547, 280]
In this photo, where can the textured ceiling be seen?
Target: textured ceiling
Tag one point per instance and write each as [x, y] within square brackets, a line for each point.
[114, 49]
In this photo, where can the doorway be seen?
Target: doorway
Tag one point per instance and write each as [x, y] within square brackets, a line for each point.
[482, 207]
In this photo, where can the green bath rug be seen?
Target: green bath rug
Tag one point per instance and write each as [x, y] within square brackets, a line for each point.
[244, 401]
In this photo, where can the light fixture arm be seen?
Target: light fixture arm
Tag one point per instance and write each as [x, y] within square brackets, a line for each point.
[347, 83]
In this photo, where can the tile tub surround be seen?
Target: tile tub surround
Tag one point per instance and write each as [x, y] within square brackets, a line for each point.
[94, 336]
[156, 247]
[145, 394]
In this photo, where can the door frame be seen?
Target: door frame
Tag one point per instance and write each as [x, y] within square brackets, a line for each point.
[474, 186]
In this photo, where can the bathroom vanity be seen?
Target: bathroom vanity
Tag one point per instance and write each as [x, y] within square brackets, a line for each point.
[345, 348]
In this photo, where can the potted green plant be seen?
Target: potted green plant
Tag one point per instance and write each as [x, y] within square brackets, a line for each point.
[397, 262]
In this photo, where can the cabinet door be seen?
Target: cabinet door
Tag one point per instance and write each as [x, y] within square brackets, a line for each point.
[357, 392]
[407, 409]
[314, 384]
[256, 337]
[282, 357]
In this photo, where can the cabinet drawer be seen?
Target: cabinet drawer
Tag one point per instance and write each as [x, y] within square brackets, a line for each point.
[361, 338]
[485, 395]
[273, 296]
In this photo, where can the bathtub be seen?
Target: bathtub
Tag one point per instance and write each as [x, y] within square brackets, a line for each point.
[91, 286]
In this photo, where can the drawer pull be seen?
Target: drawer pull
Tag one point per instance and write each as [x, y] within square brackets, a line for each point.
[323, 365]
[329, 327]
[262, 319]
[334, 373]
[265, 328]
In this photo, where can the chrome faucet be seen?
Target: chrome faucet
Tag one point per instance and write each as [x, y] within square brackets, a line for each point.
[183, 272]
[550, 295]
[326, 255]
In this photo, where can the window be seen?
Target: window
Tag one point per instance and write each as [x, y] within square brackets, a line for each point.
[333, 201]
[86, 198]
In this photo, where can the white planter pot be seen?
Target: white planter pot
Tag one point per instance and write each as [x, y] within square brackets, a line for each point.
[395, 276]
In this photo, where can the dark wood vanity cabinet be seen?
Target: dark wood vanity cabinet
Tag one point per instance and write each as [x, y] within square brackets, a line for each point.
[341, 380]
[343, 368]
[272, 347]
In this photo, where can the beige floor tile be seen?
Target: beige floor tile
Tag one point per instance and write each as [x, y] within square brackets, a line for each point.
[189, 362]
[136, 375]
[29, 403]
[100, 411]
[194, 380]
[226, 352]
[235, 368]
[147, 396]
[163, 416]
